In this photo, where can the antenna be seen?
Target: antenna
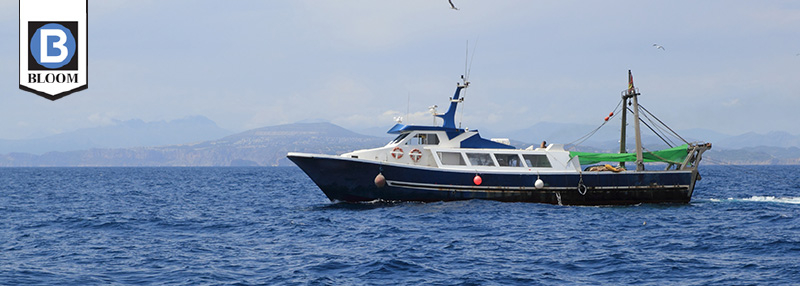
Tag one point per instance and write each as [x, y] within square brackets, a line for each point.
[408, 105]
[466, 62]
[471, 60]
[465, 77]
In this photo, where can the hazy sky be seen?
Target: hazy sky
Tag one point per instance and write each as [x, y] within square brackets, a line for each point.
[729, 66]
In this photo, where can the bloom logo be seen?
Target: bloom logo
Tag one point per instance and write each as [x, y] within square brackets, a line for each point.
[53, 48]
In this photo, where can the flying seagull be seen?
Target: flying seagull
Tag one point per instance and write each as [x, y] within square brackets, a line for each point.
[659, 47]
[451, 5]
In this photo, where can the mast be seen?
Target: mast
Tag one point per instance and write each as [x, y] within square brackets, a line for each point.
[449, 117]
[632, 92]
[626, 94]
[622, 136]
[624, 127]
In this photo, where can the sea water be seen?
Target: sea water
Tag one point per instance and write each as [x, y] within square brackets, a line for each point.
[273, 226]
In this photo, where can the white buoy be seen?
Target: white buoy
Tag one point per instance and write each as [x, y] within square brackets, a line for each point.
[380, 180]
[539, 184]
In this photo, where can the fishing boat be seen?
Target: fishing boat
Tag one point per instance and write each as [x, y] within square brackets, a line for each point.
[447, 163]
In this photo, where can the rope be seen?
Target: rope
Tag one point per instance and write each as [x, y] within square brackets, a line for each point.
[665, 125]
[646, 115]
[591, 133]
[655, 132]
[585, 137]
[661, 129]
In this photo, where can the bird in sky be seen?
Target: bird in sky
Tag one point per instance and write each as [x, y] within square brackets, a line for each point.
[659, 47]
[451, 5]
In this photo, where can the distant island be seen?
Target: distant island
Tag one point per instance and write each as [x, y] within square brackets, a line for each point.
[268, 146]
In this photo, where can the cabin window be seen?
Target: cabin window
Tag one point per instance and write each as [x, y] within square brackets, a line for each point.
[451, 158]
[537, 161]
[399, 138]
[508, 160]
[424, 139]
[480, 159]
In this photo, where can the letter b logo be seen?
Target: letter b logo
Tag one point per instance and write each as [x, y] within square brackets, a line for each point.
[53, 46]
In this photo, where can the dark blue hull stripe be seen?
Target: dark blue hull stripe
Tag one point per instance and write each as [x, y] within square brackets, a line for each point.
[437, 187]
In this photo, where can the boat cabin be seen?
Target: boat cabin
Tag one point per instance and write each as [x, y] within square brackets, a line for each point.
[425, 146]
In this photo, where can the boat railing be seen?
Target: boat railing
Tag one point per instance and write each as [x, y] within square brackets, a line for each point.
[695, 156]
[629, 92]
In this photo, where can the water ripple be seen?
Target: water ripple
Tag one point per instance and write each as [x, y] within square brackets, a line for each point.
[272, 226]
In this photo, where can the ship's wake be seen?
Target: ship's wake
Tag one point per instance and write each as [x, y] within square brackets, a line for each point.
[767, 199]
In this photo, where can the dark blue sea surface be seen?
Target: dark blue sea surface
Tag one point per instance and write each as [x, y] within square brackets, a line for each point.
[273, 226]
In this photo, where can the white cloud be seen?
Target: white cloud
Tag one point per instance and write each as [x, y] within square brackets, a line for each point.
[732, 102]
[104, 118]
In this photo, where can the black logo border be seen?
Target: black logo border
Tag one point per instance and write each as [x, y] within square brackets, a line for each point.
[19, 59]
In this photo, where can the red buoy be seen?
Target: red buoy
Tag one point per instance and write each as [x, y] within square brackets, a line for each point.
[477, 180]
[606, 118]
[611, 114]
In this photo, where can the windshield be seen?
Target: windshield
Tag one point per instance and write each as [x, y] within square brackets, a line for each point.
[399, 138]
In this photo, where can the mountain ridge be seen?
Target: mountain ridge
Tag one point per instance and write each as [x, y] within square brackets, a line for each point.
[268, 146]
[121, 134]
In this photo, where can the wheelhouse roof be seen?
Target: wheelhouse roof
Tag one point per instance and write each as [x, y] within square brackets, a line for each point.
[472, 141]
[402, 128]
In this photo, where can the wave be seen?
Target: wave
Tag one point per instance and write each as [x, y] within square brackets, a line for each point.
[769, 199]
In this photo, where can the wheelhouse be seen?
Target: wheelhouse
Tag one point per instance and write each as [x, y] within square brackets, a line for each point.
[465, 149]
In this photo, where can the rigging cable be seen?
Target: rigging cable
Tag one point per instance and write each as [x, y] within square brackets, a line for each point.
[662, 134]
[654, 132]
[665, 125]
[655, 125]
[591, 133]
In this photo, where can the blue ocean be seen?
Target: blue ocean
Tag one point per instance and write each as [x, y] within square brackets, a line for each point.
[273, 226]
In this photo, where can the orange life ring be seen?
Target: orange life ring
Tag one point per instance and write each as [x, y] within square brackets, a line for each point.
[415, 155]
[397, 153]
